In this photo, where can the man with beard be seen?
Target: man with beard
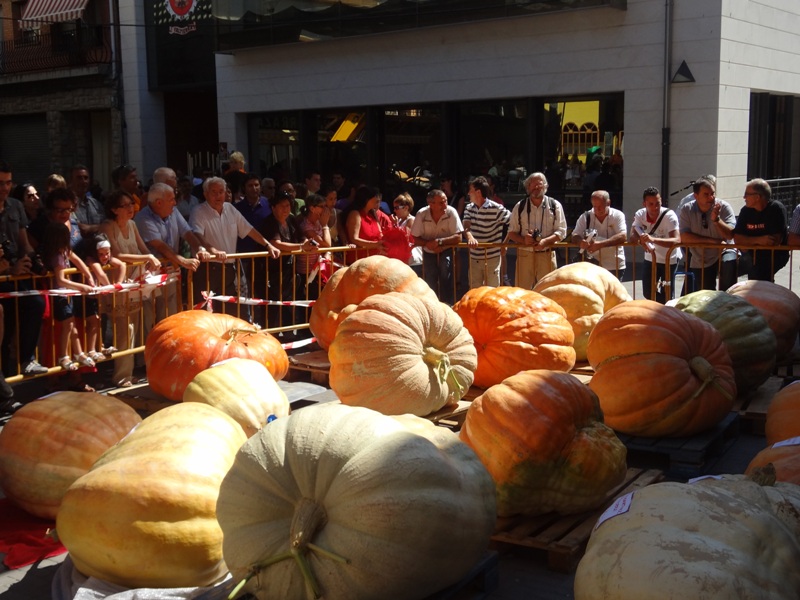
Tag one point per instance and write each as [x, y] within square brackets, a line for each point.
[537, 222]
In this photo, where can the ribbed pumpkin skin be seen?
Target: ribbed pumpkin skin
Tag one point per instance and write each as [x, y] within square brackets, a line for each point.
[783, 414]
[746, 333]
[541, 436]
[659, 371]
[780, 307]
[515, 330]
[398, 353]
[713, 539]
[585, 291]
[348, 287]
[407, 504]
[243, 389]
[51, 442]
[183, 344]
[144, 515]
[785, 459]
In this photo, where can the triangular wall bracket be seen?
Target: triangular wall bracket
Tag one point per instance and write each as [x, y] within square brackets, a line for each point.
[683, 74]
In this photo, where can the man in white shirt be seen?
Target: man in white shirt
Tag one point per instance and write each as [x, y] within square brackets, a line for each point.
[437, 229]
[600, 232]
[218, 225]
[656, 229]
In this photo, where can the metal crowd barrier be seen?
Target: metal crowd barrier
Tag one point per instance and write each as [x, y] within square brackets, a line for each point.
[278, 301]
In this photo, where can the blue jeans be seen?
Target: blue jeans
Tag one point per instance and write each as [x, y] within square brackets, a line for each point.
[438, 273]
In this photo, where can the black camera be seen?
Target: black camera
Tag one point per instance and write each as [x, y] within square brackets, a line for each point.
[37, 265]
[536, 235]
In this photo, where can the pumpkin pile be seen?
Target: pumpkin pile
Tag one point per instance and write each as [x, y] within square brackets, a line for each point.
[51, 442]
[733, 537]
[398, 353]
[659, 371]
[343, 502]
[515, 330]
[585, 291]
[541, 436]
[186, 343]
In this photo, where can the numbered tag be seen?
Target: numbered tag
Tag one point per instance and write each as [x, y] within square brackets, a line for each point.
[620, 506]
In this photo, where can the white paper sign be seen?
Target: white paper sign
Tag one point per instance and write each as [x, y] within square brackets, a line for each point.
[620, 506]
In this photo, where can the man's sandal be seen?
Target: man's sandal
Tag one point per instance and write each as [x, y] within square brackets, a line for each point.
[96, 356]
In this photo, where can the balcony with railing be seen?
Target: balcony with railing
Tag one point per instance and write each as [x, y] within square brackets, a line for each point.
[35, 51]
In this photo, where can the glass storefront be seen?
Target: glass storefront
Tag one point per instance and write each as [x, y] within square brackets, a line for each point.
[410, 147]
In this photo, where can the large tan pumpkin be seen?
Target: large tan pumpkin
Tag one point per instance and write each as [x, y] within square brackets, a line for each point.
[714, 539]
[783, 414]
[342, 502]
[144, 515]
[659, 371]
[241, 388]
[51, 442]
[780, 307]
[585, 291]
[398, 353]
[541, 436]
[515, 330]
[348, 287]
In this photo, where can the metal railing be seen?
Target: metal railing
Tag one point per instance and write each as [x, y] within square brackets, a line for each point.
[122, 309]
[44, 52]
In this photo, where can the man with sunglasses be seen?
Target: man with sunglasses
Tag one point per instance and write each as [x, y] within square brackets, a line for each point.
[703, 221]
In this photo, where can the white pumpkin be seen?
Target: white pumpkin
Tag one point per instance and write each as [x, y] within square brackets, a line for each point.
[369, 506]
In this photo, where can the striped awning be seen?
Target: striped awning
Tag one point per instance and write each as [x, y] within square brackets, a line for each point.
[52, 11]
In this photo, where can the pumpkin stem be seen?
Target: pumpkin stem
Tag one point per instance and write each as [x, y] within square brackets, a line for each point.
[233, 333]
[440, 363]
[705, 372]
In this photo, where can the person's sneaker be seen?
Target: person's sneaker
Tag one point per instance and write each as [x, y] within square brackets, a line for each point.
[6, 393]
[9, 407]
[34, 368]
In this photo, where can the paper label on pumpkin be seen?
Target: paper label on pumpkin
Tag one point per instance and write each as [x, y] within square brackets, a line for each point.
[696, 479]
[795, 441]
[620, 506]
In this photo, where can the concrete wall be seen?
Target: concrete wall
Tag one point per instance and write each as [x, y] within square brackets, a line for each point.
[143, 111]
[570, 53]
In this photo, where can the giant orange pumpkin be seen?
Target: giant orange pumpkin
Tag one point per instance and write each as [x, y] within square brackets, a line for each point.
[515, 330]
[541, 436]
[780, 307]
[349, 286]
[186, 343]
[783, 414]
[51, 442]
[659, 371]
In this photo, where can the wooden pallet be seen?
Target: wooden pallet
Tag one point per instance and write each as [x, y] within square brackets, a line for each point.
[683, 457]
[752, 408]
[314, 364]
[563, 539]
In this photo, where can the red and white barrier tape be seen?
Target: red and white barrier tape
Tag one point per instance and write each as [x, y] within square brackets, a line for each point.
[145, 285]
[208, 296]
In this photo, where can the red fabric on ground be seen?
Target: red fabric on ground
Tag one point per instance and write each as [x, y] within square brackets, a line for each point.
[23, 537]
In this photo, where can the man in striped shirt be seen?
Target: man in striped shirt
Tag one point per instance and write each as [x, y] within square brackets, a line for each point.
[484, 220]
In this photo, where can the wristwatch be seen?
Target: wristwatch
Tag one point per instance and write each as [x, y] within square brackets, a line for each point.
[439, 241]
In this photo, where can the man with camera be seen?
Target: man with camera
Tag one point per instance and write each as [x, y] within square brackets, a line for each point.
[16, 262]
[600, 232]
[537, 222]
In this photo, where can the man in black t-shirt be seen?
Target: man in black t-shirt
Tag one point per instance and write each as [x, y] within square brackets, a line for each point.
[762, 222]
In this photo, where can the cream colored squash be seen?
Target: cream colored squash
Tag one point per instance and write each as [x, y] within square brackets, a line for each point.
[243, 389]
[398, 353]
[144, 515]
[372, 507]
[585, 291]
[713, 539]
